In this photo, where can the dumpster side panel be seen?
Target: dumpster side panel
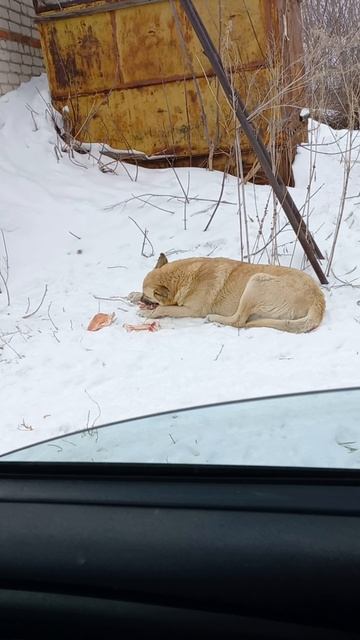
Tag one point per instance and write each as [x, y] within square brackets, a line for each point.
[136, 77]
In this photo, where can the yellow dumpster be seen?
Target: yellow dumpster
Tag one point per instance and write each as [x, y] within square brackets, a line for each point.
[134, 77]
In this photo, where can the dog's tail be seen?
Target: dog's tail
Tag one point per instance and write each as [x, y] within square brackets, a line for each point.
[300, 325]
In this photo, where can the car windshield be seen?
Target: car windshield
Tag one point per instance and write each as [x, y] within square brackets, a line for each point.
[316, 429]
[180, 228]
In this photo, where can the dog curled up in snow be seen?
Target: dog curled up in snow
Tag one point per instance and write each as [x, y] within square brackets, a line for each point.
[233, 293]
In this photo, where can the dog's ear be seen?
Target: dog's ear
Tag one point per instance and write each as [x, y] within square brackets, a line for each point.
[161, 293]
[162, 259]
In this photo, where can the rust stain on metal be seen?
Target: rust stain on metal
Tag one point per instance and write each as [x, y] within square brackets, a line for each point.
[90, 49]
[114, 42]
[64, 68]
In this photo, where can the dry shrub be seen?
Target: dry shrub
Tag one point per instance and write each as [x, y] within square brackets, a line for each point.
[332, 52]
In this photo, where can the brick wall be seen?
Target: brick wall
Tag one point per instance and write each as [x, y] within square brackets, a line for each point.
[20, 52]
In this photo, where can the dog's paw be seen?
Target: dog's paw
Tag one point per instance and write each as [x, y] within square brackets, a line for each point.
[214, 319]
[145, 313]
[134, 297]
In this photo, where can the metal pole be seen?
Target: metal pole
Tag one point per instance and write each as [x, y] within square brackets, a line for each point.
[310, 248]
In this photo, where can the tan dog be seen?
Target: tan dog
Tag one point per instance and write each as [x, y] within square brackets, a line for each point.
[233, 293]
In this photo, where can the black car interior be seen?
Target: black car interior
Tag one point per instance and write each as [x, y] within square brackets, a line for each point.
[126, 551]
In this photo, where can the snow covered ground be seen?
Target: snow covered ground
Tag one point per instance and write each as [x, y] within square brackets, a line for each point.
[68, 234]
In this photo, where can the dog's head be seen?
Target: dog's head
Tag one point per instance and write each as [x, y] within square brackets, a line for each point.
[155, 291]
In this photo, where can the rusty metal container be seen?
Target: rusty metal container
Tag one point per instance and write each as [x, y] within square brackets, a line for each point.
[134, 77]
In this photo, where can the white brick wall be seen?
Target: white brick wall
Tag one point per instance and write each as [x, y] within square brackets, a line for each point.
[19, 61]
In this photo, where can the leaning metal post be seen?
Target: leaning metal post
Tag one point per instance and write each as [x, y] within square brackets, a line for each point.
[311, 249]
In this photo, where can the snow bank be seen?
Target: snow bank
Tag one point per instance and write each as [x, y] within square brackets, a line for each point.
[63, 233]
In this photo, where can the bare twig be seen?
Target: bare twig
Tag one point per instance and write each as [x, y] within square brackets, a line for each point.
[7, 344]
[6, 288]
[21, 333]
[346, 178]
[28, 315]
[6, 255]
[219, 354]
[112, 299]
[346, 283]
[25, 427]
[57, 152]
[50, 318]
[255, 253]
[98, 407]
[178, 180]
[153, 205]
[74, 234]
[32, 111]
[218, 202]
[5, 277]
[169, 197]
[186, 201]
[146, 239]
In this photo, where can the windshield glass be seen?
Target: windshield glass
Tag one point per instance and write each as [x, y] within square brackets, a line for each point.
[318, 429]
[176, 233]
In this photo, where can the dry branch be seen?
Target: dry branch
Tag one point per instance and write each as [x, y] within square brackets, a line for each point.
[4, 278]
[38, 307]
[146, 239]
